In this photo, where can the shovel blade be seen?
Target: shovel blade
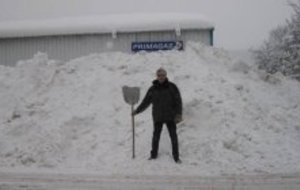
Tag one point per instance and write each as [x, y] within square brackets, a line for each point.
[131, 94]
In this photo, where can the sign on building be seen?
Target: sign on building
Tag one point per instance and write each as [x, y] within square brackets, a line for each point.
[156, 46]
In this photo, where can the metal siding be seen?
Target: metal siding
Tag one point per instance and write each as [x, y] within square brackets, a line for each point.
[72, 46]
[211, 37]
[142, 36]
[162, 36]
[123, 42]
[196, 35]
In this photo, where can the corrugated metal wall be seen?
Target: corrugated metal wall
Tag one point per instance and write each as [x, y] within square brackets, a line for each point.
[71, 46]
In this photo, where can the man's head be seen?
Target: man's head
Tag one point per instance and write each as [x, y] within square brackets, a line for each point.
[161, 75]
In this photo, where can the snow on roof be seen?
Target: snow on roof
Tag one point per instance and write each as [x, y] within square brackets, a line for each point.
[104, 24]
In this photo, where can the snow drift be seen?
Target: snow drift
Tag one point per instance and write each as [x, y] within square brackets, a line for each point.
[72, 115]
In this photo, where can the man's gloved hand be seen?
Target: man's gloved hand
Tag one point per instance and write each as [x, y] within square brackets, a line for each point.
[178, 118]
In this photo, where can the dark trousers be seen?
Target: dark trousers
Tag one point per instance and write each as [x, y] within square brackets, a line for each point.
[156, 136]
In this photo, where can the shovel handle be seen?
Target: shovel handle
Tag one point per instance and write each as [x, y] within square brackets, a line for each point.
[133, 132]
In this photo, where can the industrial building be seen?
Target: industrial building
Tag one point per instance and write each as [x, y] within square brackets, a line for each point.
[68, 38]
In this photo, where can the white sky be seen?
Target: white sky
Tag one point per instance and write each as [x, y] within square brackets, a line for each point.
[240, 24]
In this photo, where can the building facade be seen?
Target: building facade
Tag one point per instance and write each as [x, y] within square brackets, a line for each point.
[65, 41]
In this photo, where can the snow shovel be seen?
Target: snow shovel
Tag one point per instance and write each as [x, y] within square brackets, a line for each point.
[132, 96]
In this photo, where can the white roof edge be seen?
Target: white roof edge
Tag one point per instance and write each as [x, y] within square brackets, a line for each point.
[104, 24]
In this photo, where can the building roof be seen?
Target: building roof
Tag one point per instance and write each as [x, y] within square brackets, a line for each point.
[104, 24]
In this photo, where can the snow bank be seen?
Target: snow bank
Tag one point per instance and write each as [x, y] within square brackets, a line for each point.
[72, 116]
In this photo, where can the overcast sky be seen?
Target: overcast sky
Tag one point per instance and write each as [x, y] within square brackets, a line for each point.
[240, 24]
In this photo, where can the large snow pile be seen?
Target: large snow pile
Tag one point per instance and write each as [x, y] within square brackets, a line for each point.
[61, 116]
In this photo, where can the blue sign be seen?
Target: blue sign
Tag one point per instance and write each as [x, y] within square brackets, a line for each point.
[156, 46]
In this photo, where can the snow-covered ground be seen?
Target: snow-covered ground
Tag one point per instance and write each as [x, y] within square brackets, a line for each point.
[71, 116]
[80, 181]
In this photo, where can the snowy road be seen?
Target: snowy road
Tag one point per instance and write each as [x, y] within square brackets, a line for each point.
[22, 181]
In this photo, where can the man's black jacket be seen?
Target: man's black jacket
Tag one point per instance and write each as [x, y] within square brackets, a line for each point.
[166, 101]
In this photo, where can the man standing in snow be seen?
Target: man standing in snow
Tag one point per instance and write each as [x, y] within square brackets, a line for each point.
[166, 109]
